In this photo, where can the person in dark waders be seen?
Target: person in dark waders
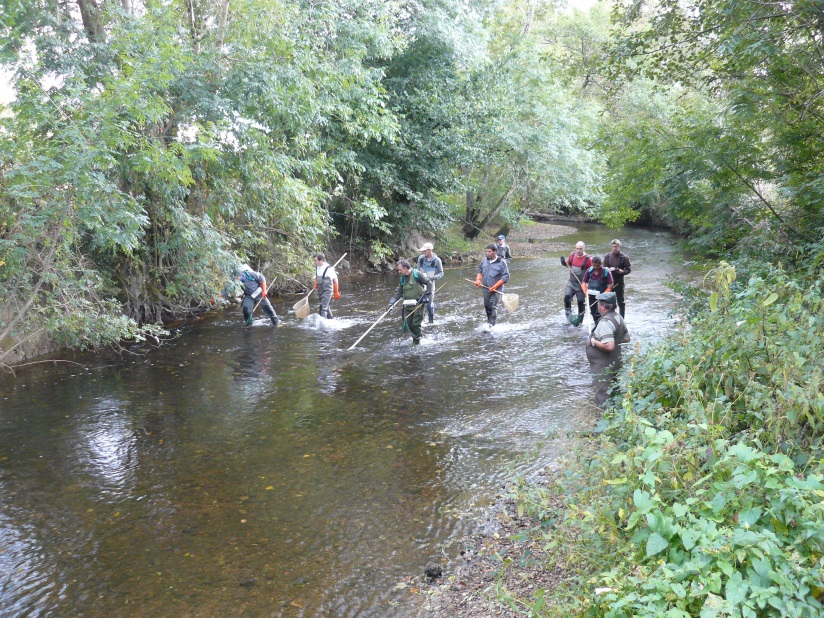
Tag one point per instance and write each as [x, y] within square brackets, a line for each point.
[604, 346]
[577, 262]
[254, 290]
[618, 264]
[493, 273]
[596, 279]
[326, 283]
[416, 289]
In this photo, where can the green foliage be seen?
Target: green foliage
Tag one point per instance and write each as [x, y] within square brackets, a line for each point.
[156, 160]
[727, 156]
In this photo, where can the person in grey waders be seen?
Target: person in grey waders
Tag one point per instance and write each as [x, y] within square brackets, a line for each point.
[415, 288]
[604, 346]
[254, 290]
[431, 264]
[493, 273]
[578, 262]
[326, 283]
[504, 252]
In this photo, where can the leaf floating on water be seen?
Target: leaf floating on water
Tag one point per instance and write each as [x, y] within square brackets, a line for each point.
[269, 488]
[390, 446]
[296, 604]
[243, 521]
[400, 586]
[307, 455]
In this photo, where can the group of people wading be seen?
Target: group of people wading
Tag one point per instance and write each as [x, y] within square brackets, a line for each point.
[596, 283]
[600, 284]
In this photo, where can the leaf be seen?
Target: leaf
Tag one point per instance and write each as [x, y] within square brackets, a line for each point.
[642, 501]
[679, 510]
[748, 518]
[656, 544]
[689, 538]
[770, 300]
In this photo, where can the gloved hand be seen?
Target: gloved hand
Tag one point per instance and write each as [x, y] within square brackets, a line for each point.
[389, 306]
[609, 289]
[424, 300]
[263, 289]
[498, 284]
[315, 287]
[584, 287]
[336, 292]
[563, 261]
[478, 278]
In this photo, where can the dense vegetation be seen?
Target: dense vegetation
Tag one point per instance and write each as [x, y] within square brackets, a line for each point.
[152, 145]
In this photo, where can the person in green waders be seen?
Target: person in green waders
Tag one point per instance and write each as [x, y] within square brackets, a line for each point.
[604, 346]
[416, 289]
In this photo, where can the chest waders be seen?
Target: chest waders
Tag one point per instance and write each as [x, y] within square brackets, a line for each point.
[253, 294]
[429, 267]
[605, 365]
[597, 284]
[573, 288]
[325, 289]
[412, 290]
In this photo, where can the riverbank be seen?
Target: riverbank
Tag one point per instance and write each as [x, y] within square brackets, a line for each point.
[702, 493]
[496, 572]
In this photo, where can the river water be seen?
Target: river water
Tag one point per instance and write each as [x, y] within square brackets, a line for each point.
[271, 472]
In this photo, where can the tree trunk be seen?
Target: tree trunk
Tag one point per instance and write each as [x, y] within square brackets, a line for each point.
[90, 13]
[193, 25]
[224, 17]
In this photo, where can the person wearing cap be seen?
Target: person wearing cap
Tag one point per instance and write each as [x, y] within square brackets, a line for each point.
[503, 249]
[493, 273]
[431, 264]
[618, 264]
[254, 291]
[326, 283]
[578, 262]
[604, 346]
[415, 288]
[596, 279]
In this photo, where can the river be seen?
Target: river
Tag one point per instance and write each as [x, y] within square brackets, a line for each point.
[271, 472]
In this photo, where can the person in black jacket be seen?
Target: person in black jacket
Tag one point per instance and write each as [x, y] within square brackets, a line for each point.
[618, 265]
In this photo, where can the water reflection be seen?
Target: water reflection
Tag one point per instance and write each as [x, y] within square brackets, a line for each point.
[273, 472]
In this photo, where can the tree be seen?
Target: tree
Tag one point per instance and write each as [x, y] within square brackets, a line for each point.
[744, 160]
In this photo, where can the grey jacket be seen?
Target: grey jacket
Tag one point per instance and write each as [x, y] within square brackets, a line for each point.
[493, 272]
[433, 268]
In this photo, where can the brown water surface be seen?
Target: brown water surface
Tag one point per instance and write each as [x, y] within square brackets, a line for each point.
[269, 472]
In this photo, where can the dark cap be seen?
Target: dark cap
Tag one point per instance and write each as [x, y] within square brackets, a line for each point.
[501, 237]
[607, 297]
